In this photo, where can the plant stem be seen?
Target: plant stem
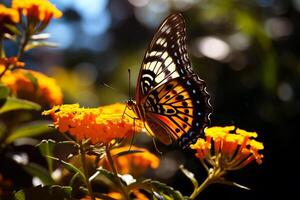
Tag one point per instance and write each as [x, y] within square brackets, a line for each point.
[112, 166]
[213, 177]
[199, 189]
[23, 43]
[86, 176]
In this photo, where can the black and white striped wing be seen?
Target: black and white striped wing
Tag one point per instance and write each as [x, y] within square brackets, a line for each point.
[166, 57]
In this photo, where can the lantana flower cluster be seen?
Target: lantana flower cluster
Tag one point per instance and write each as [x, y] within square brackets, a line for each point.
[100, 125]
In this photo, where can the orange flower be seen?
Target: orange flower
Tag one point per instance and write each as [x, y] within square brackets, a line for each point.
[37, 11]
[6, 62]
[22, 84]
[228, 148]
[8, 17]
[137, 195]
[133, 163]
[100, 125]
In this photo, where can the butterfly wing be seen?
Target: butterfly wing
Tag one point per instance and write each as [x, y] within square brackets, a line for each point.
[173, 98]
[182, 107]
[166, 57]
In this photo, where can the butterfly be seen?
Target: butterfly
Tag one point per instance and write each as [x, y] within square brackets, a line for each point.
[171, 99]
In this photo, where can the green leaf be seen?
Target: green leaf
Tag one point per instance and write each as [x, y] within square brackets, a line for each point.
[190, 176]
[51, 192]
[4, 91]
[230, 183]
[40, 172]
[11, 103]
[158, 189]
[35, 44]
[68, 166]
[46, 148]
[13, 29]
[74, 178]
[110, 176]
[29, 130]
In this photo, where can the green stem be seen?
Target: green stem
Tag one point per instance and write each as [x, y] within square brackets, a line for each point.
[113, 168]
[213, 177]
[86, 176]
[23, 43]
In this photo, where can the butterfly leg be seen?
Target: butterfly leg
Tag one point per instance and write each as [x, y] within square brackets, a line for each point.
[153, 139]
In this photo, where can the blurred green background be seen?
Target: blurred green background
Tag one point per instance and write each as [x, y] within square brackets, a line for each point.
[246, 51]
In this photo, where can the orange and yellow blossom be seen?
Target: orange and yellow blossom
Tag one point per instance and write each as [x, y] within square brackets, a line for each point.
[11, 61]
[133, 163]
[37, 10]
[45, 91]
[228, 148]
[8, 16]
[100, 125]
[137, 195]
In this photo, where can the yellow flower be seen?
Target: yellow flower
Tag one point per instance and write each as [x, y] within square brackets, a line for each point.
[100, 125]
[45, 91]
[133, 163]
[37, 10]
[228, 148]
[8, 16]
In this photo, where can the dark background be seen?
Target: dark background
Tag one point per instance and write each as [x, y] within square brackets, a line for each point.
[246, 51]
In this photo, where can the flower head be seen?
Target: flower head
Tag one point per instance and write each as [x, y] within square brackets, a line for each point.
[228, 148]
[37, 11]
[8, 17]
[6, 62]
[100, 125]
[133, 163]
[34, 86]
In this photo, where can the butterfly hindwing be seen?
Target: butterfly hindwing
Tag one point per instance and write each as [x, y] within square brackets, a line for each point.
[181, 104]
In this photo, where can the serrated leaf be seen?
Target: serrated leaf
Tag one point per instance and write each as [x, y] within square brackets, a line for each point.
[35, 44]
[110, 176]
[29, 130]
[190, 176]
[161, 189]
[56, 192]
[46, 148]
[38, 171]
[69, 166]
[4, 91]
[11, 103]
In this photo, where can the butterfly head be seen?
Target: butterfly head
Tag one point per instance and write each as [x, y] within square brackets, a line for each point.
[131, 105]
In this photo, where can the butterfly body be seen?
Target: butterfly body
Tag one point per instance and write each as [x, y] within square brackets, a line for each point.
[171, 99]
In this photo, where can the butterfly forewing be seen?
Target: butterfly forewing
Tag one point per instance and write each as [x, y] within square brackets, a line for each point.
[166, 57]
[173, 99]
